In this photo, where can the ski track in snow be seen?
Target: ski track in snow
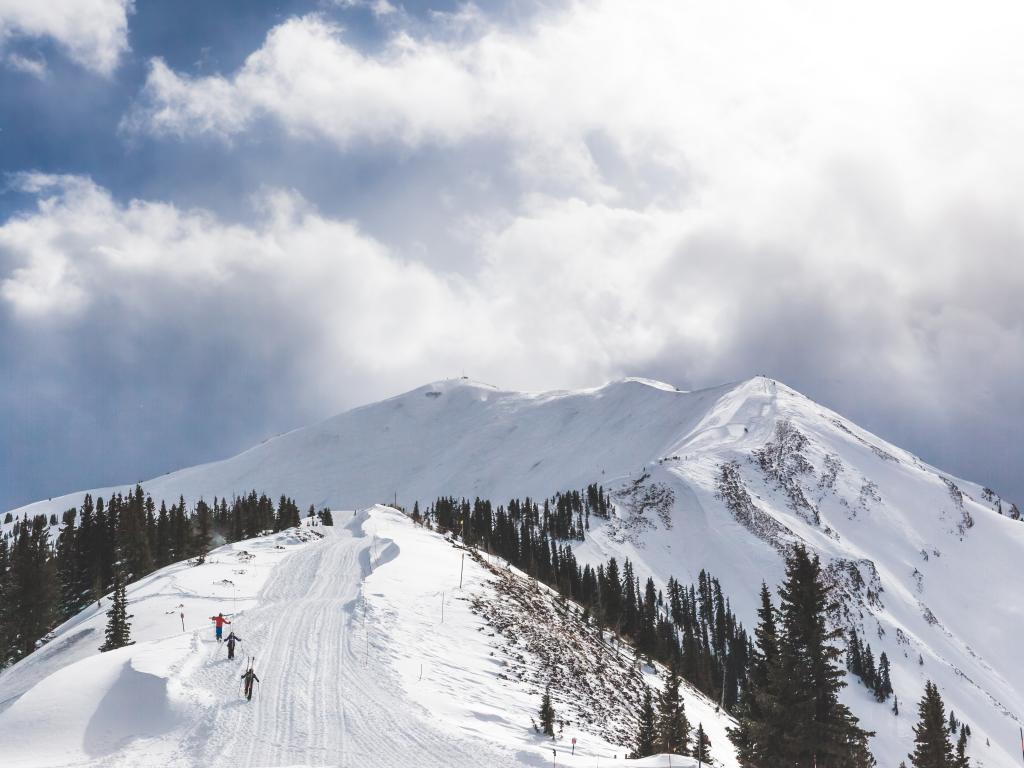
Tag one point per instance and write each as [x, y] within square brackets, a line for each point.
[320, 701]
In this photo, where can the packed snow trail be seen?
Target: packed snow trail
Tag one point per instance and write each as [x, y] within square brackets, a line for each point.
[321, 699]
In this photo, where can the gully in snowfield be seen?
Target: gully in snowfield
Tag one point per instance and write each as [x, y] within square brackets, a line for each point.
[219, 621]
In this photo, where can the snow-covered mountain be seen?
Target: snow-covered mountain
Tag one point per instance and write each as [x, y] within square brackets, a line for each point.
[722, 479]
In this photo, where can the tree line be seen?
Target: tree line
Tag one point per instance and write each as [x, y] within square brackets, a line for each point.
[102, 545]
[782, 684]
[691, 628]
[564, 516]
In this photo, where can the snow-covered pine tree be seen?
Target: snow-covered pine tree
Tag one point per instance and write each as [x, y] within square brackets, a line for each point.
[119, 629]
[931, 736]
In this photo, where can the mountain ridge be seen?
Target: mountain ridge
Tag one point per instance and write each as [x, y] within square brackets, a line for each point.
[725, 478]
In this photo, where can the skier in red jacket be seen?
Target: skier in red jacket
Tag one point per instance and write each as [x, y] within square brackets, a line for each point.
[219, 621]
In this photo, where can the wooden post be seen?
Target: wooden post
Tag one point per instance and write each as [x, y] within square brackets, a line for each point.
[462, 567]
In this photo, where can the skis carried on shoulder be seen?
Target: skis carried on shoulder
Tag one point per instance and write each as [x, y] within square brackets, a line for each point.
[248, 666]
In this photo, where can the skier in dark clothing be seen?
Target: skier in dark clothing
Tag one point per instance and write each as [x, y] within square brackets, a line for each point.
[249, 676]
[231, 639]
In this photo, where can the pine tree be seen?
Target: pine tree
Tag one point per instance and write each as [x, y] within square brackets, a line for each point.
[673, 728]
[179, 532]
[702, 745]
[870, 675]
[800, 720]
[611, 595]
[646, 735]
[118, 632]
[647, 634]
[854, 659]
[931, 737]
[163, 536]
[67, 566]
[961, 760]
[883, 690]
[204, 529]
[5, 635]
[32, 595]
[130, 519]
[761, 714]
[547, 714]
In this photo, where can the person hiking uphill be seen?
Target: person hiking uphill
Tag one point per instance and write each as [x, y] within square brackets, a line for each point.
[219, 621]
[249, 676]
[231, 639]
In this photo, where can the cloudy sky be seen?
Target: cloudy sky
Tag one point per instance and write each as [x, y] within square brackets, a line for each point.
[222, 220]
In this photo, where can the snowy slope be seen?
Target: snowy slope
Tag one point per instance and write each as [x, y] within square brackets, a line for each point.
[721, 479]
[356, 665]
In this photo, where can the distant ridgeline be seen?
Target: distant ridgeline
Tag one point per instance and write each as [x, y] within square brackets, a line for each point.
[784, 683]
[43, 581]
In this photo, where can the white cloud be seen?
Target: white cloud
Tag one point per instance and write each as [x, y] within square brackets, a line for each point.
[567, 292]
[94, 33]
[346, 297]
[28, 65]
[742, 101]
